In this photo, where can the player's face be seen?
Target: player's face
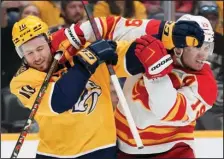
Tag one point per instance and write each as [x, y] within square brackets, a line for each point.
[37, 53]
[30, 10]
[74, 12]
[194, 58]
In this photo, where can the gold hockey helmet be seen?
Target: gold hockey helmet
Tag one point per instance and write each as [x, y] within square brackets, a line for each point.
[26, 29]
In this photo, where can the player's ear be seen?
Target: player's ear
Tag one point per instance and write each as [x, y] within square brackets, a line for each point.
[178, 51]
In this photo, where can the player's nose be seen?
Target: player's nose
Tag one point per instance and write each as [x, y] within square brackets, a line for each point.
[37, 56]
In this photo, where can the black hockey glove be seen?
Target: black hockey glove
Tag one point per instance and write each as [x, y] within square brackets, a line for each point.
[182, 34]
[97, 53]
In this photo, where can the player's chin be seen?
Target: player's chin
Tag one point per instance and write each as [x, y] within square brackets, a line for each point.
[197, 66]
[77, 18]
[43, 68]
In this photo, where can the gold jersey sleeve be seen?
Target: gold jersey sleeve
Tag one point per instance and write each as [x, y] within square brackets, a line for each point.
[26, 85]
[121, 67]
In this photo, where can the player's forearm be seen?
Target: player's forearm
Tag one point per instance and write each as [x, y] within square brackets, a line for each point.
[84, 31]
[166, 102]
[68, 89]
[162, 95]
[176, 107]
[114, 28]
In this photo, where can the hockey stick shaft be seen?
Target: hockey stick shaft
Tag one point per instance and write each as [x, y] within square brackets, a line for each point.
[117, 87]
[34, 109]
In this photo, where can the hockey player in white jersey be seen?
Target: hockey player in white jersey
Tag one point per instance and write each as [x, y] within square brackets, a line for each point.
[165, 101]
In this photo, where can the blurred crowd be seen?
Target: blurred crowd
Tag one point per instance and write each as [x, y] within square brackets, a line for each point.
[58, 14]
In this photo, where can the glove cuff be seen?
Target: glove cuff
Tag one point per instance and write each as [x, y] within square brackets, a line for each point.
[159, 68]
[87, 59]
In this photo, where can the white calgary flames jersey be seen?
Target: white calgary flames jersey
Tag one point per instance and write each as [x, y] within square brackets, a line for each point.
[165, 111]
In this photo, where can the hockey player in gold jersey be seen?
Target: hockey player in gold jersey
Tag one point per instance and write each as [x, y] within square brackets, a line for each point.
[75, 117]
[76, 114]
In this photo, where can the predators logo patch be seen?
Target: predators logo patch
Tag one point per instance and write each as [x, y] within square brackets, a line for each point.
[27, 91]
[22, 68]
[89, 98]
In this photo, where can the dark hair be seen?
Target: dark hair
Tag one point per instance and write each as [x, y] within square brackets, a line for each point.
[129, 10]
[64, 4]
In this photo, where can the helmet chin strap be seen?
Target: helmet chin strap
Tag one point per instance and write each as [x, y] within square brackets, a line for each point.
[178, 57]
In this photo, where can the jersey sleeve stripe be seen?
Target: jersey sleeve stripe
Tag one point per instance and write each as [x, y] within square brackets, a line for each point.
[153, 27]
[80, 34]
[110, 36]
[103, 23]
[110, 23]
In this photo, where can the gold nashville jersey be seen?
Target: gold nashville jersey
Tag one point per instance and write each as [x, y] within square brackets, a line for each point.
[88, 126]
